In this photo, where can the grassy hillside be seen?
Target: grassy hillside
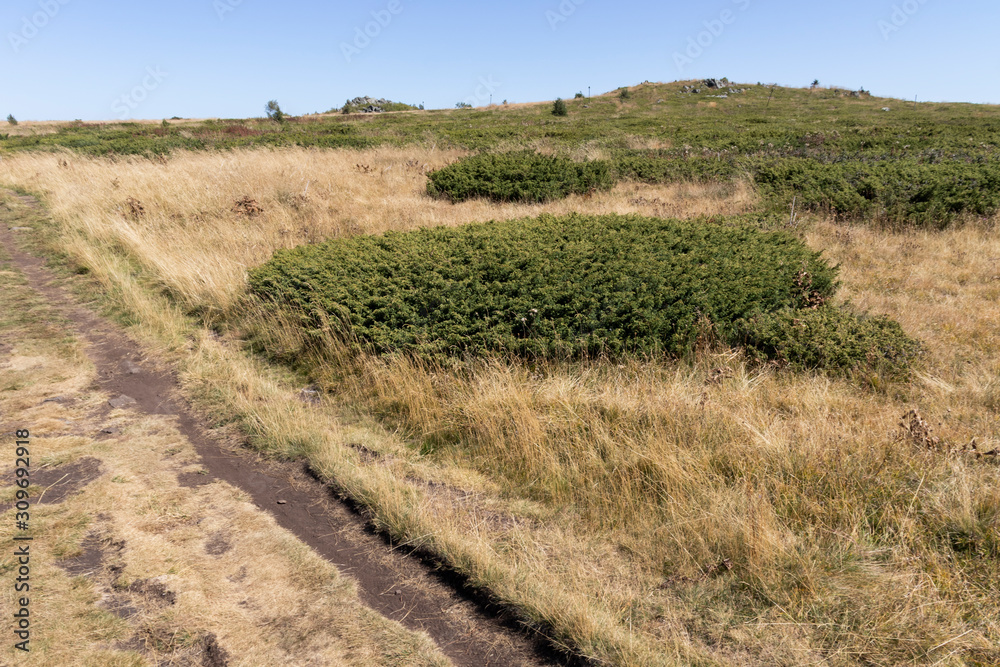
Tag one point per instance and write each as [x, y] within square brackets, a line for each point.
[855, 157]
[641, 510]
[760, 121]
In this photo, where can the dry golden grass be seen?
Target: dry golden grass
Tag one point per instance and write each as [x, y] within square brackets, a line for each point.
[264, 595]
[651, 512]
[189, 237]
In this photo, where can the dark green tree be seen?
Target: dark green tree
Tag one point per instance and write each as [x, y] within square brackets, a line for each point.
[274, 111]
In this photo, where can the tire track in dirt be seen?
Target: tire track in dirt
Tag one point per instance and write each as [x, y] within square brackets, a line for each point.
[470, 630]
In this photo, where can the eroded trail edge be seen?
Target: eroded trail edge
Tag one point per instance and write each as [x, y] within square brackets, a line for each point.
[467, 627]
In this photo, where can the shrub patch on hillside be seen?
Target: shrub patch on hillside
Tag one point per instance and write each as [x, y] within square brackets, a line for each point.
[577, 286]
[523, 176]
[831, 339]
[891, 191]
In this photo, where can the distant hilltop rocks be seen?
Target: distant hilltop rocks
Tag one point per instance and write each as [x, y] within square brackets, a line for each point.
[724, 87]
[369, 104]
[718, 85]
[372, 105]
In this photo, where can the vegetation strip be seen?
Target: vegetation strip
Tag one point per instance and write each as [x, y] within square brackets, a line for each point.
[579, 286]
[859, 157]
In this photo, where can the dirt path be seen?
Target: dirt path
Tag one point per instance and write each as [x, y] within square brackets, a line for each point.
[467, 628]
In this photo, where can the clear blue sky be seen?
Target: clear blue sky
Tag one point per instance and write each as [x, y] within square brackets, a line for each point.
[67, 59]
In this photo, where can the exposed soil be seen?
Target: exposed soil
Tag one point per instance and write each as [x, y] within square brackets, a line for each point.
[90, 561]
[403, 586]
[57, 483]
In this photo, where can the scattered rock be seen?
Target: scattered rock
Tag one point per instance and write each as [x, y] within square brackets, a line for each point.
[20, 229]
[886, 109]
[248, 207]
[110, 430]
[133, 209]
[122, 401]
[310, 395]
[131, 368]
[367, 455]
[712, 83]
[369, 104]
[282, 502]
[714, 570]
[55, 399]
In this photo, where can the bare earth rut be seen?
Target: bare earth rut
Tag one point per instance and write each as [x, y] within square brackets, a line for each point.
[192, 481]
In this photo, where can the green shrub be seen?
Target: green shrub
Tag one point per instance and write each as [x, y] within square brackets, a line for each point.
[890, 191]
[522, 176]
[11, 119]
[624, 94]
[578, 96]
[273, 111]
[830, 339]
[664, 167]
[559, 108]
[548, 286]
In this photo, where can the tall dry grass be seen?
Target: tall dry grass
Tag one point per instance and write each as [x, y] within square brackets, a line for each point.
[650, 511]
[189, 238]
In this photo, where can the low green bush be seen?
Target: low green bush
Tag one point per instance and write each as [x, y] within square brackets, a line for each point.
[889, 191]
[830, 339]
[666, 167]
[522, 176]
[550, 286]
